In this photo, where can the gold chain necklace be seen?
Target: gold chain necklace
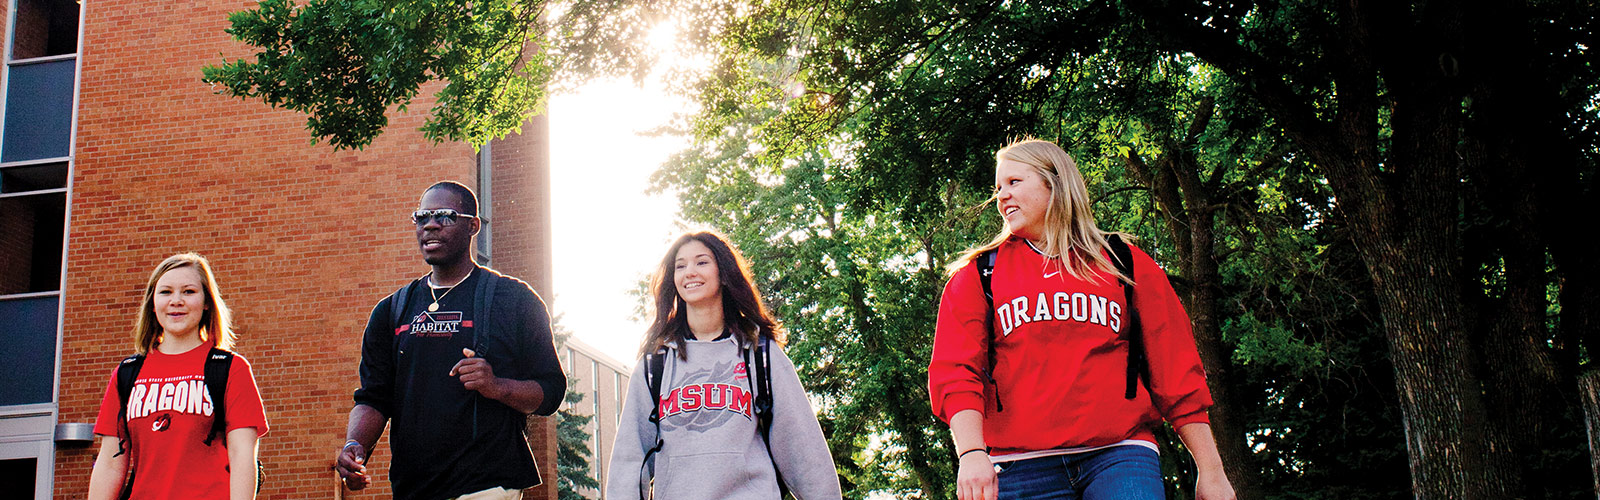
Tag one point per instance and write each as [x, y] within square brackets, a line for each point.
[434, 292]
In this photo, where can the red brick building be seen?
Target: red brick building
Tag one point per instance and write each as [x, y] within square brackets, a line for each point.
[113, 155]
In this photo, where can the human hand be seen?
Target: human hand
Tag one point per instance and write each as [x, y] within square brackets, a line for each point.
[476, 375]
[1213, 486]
[975, 479]
[350, 463]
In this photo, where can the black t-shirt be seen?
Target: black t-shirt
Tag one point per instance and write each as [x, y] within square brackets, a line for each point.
[447, 440]
[687, 335]
[427, 347]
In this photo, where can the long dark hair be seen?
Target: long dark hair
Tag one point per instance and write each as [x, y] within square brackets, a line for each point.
[742, 308]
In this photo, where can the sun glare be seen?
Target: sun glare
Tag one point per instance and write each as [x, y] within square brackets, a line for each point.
[663, 38]
[672, 54]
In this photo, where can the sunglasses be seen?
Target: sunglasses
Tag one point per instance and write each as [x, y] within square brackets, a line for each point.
[445, 216]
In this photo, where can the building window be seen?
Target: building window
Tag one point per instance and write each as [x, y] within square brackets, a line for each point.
[38, 119]
[617, 395]
[594, 384]
[485, 203]
[572, 376]
[39, 75]
[45, 28]
[34, 201]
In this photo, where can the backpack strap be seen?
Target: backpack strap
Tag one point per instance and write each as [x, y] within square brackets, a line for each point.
[482, 302]
[762, 404]
[1138, 369]
[482, 299]
[652, 375]
[985, 263]
[218, 363]
[127, 373]
[397, 306]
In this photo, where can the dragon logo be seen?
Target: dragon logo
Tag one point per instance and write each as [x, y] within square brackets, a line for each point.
[162, 423]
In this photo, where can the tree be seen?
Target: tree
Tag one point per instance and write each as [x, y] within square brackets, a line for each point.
[1445, 146]
[345, 63]
[572, 449]
[1418, 93]
[724, 183]
[1399, 106]
[572, 440]
[856, 291]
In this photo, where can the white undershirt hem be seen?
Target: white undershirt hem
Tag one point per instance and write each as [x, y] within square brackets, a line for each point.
[1072, 451]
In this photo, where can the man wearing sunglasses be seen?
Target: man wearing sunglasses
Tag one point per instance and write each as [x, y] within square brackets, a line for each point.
[453, 362]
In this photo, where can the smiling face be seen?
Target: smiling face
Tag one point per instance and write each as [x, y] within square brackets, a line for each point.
[444, 245]
[694, 274]
[179, 302]
[1023, 198]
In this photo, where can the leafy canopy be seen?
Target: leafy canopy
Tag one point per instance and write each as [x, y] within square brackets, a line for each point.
[344, 63]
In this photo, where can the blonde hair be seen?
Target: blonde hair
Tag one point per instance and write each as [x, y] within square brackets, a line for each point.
[216, 322]
[1069, 232]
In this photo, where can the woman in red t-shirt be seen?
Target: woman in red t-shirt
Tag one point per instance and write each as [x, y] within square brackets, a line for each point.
[1053, 421]
[162, 451]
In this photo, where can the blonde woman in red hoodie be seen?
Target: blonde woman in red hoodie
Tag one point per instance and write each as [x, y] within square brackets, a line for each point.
[1049, 418]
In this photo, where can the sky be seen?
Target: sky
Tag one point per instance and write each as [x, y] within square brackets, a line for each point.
[609, 234]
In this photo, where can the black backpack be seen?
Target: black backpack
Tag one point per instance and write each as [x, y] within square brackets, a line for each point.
[218, 362]
[761, 403]
[1138, 369]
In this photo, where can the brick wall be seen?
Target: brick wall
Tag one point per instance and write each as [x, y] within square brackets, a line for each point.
[304, 239]
[521, 248]
[5, 22]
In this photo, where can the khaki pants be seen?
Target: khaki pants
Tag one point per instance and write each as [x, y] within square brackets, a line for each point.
[496, 493]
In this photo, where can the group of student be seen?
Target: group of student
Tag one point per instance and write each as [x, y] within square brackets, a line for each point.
[1058, 347]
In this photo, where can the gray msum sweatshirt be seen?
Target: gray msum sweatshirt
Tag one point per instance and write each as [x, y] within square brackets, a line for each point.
[712, 446]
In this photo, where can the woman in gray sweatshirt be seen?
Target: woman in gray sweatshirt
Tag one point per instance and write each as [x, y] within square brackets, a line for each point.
[712, 351]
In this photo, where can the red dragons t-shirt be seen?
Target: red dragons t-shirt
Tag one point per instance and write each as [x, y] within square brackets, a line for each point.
[169, 414]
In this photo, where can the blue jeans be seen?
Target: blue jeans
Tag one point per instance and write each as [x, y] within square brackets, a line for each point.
[1128, 472]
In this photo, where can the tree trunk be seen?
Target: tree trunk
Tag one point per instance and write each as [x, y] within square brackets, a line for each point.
[1404, 208]
[904, 415]
[1186, 201]
[907, 414]
[1406, 216]
[1509, 137]
[1589, 392]
[1579, 271]
[1453, 452]
[1518, 371]
[1402, 198]
[1403, 201]
[1204, 310]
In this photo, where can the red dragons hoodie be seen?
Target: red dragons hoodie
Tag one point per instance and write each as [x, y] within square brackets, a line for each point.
[1061, 355]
